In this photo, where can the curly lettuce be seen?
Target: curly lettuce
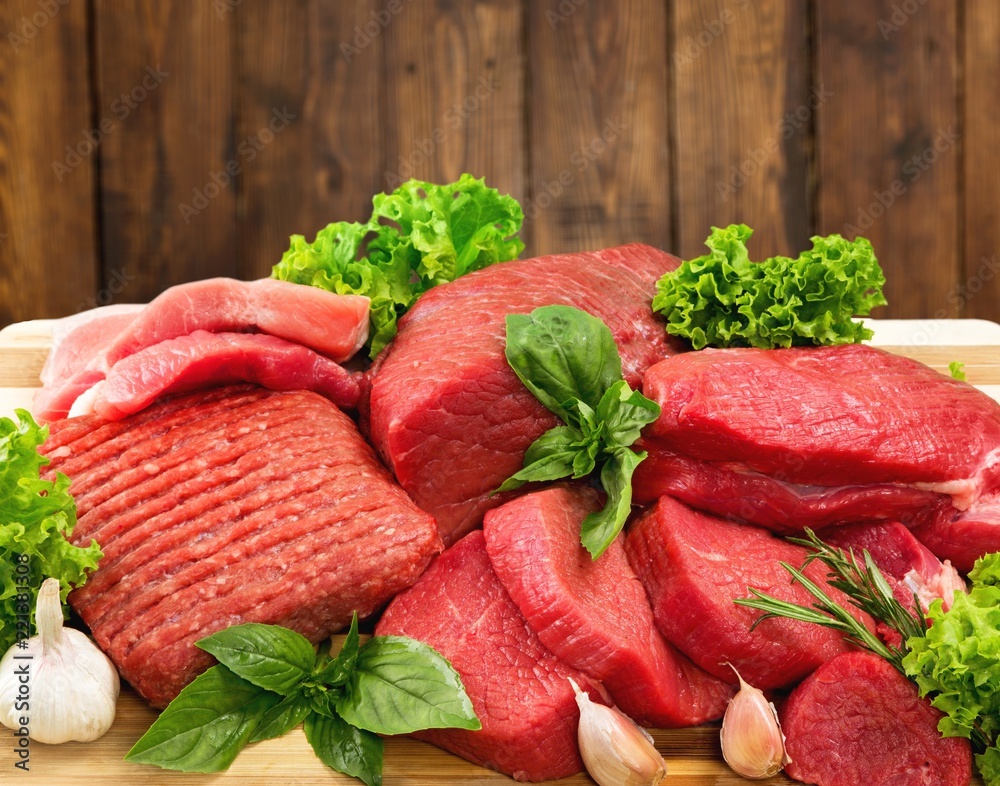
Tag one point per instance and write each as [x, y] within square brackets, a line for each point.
[419, 236]
[36, 518]
[957, 662]
[722, 299]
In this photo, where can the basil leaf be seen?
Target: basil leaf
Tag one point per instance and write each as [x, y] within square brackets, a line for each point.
[400, 685]
[342, 747]
[624, 412]
[282, 718]
[337, 671]
[561, 353]
[324, 700]
[206, 726]
[601, 528]
[550, 457]
[269, 656]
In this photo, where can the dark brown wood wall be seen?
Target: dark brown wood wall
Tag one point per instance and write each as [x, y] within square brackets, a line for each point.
[145, 143]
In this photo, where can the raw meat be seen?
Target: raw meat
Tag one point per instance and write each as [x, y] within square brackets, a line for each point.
[201, 360]
[332, 325]
[228, 506]
[594, 614]
[520, 690]
[964, 536]
[909, 566]
[447, 413]
[857, 720]
[852, 430]
[694, 566]
[77, 338]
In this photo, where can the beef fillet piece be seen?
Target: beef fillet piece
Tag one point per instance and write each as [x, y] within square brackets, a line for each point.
[594, 614]
[446, 412]
[811, 436]
[230, 506]
[856, 720]
[519, 689]
[694, 566]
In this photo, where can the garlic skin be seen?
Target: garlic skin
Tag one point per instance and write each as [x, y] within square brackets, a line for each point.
[616, 750]
[752, 743]
[71, 687]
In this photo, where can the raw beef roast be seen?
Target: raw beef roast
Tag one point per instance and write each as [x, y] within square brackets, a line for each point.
[448, 414]
[857, 720]
[520, 691]
[694, 566]
[333, 325]
[202, 359]
[594, 614]
[840, 433]
[232, 505]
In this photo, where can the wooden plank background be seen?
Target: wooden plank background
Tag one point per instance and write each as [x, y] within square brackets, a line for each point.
[144, 143]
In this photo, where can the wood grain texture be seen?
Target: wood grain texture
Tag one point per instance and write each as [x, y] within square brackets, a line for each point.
[743, 114]
[979, 289]
[888, 141]
[454, 75]
[165, 80]
[321, 63]
[599, 139]
[48, 245]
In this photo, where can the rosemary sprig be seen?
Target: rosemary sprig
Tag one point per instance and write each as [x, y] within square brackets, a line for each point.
[865, 587]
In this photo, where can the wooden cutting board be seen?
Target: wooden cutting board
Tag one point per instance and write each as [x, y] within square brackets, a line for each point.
[692, 755]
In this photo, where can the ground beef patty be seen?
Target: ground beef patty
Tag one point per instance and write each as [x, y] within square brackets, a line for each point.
[229, 506]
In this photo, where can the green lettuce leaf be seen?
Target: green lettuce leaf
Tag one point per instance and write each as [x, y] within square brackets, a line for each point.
[722, 299]
[36, 518]
[417, 237]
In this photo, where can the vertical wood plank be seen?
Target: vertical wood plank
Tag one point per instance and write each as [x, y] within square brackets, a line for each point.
[321, 62]
[889, 141]
[979, 290]
[455, 96]
[600, 155]
[743, 116]
[48, 249]
[164, 72]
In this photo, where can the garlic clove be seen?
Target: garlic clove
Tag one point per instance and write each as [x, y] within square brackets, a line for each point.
[752, 743]
[71, 688]
[615, 750]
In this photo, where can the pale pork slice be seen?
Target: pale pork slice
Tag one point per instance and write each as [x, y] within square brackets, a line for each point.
[856, 720]
[594, 614]
[332, 325]
[447, 413]
[694, 566]
[228, 506]
[519, 689]
[78, 338]
[844, 433]
[202, 359]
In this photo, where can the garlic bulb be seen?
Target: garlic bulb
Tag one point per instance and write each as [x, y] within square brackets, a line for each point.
[615, 750]
[60, 686]
[752, 743]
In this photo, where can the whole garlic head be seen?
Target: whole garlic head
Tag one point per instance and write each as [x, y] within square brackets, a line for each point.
[61, 684]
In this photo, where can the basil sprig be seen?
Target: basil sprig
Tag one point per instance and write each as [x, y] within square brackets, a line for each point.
[569, 361]
[270, 679]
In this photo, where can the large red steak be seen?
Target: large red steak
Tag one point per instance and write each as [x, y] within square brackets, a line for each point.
[448, 414]
[230, 506]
